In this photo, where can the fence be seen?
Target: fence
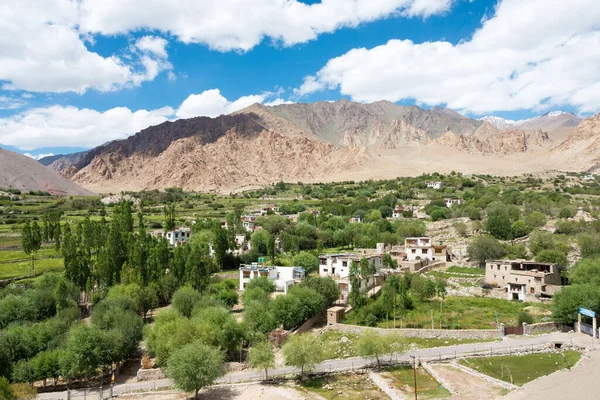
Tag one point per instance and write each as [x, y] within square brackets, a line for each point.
[513, 330]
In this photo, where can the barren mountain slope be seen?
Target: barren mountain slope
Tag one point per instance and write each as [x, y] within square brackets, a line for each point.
[230, 162]
[21, 172]
[502, 143]
[354, 124]
[581, 150]
[548, 122]
[61, 162]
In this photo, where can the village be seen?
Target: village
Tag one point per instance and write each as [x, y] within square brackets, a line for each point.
[367, 296]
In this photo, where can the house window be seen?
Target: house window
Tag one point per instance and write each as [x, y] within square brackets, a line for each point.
[344, 263]
[414, 251]
[323, 261]
[532, 290]
[246, 274]
[325, 270]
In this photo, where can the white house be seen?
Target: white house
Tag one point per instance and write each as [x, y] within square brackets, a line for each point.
[337, 266]
[249, 222]
[356, 220]
[176, 237]
[284, 277]
[451, 202]
[423, 248]
[588, 177]
[242, 244]
[434, 185]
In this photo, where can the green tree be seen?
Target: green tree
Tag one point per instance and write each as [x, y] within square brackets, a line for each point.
[566, 302]
[586, 271]
[370, 344]
[27, 245]
[301, 351]
[325, 286]
[553, 256]
[194, 367]
[6, 392]
[185, 299]
[262, 282]
[535, 219]
[169, 213]
[261, 356]
[220, 245]
[519, 229]
[589, 243]
[498, 225]
[306, 260]
[484, 248]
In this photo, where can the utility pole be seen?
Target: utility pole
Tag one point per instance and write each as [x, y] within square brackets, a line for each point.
[415, 375]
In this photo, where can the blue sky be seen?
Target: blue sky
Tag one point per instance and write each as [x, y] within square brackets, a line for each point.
[108, 74]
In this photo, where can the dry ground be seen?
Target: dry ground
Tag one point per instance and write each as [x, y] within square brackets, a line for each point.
[466, 387]
[233, 392]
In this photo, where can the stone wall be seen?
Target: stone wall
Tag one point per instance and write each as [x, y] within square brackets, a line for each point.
[424, 333]
[545, 327]
[150, 374]
[308, 324]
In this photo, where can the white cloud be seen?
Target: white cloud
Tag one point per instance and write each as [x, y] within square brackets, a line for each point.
[535, 54]
[212, 103]
[38, 156]
[58, 126]
[153, 44]
[278, 101]
[42, 50]
[233, 25]
[11, 103]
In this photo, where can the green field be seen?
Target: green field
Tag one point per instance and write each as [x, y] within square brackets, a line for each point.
[522, 369]
[17, 269]
[465, 270]
[427, 386]
[459, 313]
[343, 386]
[338, 344]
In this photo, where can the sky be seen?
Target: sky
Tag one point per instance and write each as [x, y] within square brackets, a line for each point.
[77, 73]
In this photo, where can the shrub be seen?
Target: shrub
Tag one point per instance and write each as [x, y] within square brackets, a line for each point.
[525, 317]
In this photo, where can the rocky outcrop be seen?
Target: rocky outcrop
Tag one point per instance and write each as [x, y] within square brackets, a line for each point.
[502, 143]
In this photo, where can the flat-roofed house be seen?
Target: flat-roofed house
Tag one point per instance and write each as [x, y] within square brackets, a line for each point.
[176, 237]
[522, 278]
[283, 277]
[337, 266]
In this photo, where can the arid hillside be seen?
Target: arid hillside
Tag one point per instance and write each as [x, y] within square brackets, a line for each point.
[21, 172]
[323, 141]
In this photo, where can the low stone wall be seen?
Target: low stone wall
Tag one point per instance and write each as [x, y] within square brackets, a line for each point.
[384, 385]
[424, 333]
[545, 327]
[150, 374]
[308, 324]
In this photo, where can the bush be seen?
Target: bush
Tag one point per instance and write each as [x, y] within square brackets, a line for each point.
[185, 299]
[484, 248]
[525, 317]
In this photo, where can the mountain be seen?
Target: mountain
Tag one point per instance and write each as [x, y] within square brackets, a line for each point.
[24, 173]
[222, 153]
[62, 162]
[581, 149]
[321, 141]
[548, 122]
[501, 143]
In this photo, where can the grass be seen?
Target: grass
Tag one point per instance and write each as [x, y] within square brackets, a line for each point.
[16, 269]
[465, 270]
[19, 255]
[342, 386]
[427, 386]
[522, 369]
[338, 344]
[459, 313]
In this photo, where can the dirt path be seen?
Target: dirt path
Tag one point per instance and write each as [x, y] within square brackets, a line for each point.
[581, 383]
[465, 386]
[233, 392]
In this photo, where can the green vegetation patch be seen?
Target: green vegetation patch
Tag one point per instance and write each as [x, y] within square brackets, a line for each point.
[522, 369]
[10, 270]
[427, 386]
[344, 386]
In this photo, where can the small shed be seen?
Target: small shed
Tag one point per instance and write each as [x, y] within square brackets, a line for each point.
[335, 315]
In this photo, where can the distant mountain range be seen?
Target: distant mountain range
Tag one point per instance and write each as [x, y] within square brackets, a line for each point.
[320, 141]
[547, 122]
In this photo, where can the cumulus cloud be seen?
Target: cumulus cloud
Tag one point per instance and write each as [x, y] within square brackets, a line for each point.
[38, 156]
[529, 55]
[227, 25]
[212, 103]
[59, 126]
[43, 50]
[11, 103]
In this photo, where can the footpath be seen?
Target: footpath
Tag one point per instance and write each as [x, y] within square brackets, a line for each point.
[509, 344]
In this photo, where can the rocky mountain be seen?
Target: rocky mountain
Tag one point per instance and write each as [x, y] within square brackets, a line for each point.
[501, 143]
[220, 153]
[26, 174]
[62, 162]
[581, 149]
[307, 142]
[548, 122]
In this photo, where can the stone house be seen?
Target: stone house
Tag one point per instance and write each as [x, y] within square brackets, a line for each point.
[521, 278]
